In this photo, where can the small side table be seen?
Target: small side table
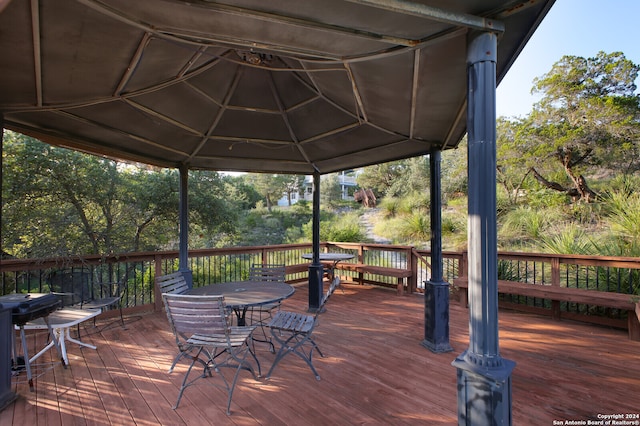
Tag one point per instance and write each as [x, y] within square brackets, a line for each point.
[61, 322]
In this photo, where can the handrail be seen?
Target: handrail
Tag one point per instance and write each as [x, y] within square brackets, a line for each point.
[420, 256]
[604, 273]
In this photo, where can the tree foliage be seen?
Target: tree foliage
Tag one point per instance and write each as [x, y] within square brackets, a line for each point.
[453, 171]
[397, 178]
[293, 184]
[58, 202]
[270, 186]
[509, 171]
[587, 121]
[330, 190]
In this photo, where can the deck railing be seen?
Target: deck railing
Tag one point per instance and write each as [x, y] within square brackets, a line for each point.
[209, 266]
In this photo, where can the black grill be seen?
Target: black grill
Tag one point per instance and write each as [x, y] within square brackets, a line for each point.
[27, 307]
[24, 308]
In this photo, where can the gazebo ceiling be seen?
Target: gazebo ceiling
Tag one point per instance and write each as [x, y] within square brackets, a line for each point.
[249, 85]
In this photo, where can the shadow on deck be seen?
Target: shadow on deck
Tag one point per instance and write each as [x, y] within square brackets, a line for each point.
[375, 371]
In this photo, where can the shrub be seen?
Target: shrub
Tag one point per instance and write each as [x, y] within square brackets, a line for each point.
[624, 214]
[414, 203]
[390, 206]
[417, 227]
[525, 222]
[570, 240]
[343, 228]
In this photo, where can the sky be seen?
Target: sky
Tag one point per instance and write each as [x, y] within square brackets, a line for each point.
[572, 27]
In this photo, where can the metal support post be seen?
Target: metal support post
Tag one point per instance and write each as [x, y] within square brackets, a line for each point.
[484, 377]
[436, 290]
[183, 256]
[315, 268]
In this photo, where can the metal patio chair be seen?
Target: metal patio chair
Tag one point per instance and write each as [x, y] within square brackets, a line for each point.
[203, 334]
[76, 288]
[262, 314]
[293, 331]
[172, 283]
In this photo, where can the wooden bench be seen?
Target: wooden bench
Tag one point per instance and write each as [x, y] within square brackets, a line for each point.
[295, 269]
[402, 275]
[564, 294]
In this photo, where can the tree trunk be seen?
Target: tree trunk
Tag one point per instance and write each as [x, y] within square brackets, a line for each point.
[580, 191]
[544, 182]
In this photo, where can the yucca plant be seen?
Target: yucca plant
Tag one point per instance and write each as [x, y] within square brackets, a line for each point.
[390, 206]
[570, 240]
[413, 203]
[624, 214]
[417, 227]
[525, 222]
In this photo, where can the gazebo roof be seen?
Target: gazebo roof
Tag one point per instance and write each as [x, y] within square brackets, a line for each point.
[249, 85]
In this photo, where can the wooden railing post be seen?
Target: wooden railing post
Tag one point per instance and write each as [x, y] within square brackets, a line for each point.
[413, 281]
[547, 268]
[360, 260]
[462, 264]
[157, 297]
[555, 281]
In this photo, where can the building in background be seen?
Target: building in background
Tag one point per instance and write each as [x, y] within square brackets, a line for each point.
[346, 180]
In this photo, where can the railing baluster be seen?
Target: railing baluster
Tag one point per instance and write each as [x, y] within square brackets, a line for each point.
[217, 265]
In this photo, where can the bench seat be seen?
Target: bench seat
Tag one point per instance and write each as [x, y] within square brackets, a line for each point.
[295, 269]
[361, 268]
[564, 294]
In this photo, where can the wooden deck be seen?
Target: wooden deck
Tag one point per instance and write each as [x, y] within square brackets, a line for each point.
[375, 372]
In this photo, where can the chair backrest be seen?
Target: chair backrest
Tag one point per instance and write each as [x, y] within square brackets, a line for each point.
[73, 286]
[172, 283]
[110, 289]
[190, 314]
[270, 273]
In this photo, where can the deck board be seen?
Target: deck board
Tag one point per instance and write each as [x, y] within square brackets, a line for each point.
[375, 371]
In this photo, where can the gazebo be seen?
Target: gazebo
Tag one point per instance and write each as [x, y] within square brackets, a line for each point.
[301, 88]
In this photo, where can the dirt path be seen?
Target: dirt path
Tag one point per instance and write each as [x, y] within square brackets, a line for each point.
[368, 220]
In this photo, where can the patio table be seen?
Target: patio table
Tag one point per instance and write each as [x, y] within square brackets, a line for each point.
[241, 295]
[61, 322]
[330, 257]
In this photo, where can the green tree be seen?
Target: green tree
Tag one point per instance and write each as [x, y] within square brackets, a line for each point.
[49, 192]
[293, 184]
[149, 217]
[238, 189]
[587, 119]
[509, 172]
[380, 177]
[213, 210]
[453, 171]
[330, 191]
[397, 178]
[270, 186]
[58, 202]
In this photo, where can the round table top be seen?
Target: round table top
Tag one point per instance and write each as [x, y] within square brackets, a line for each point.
[247, 293]
[330, 256]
